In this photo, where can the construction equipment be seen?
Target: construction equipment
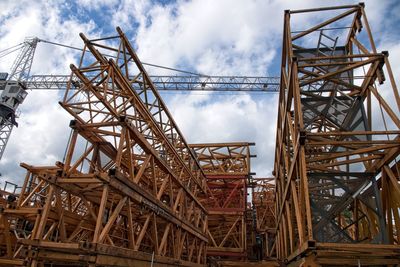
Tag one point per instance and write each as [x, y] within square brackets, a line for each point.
[130, 197]
[263, 214]
[15, 89]
[336, 165]
[132, 192]
[177, 83]
[227, 168]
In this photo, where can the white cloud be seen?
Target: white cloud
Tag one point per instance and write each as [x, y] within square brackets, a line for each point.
[98, 4]
[218, 37]
[41, 136]
[43, 126]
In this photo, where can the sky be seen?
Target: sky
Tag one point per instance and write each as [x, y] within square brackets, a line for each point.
[211, 37]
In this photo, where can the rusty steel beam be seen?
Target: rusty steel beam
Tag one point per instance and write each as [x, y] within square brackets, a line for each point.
[337, 144]
[263, 201]
[227, 168]
[128, 191]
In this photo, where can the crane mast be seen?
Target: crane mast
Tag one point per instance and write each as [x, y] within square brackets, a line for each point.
[23, 63]
[14, 91]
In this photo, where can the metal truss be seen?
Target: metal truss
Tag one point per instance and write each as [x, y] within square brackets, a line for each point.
[336, 164]
[127, 193]
[19, 72]
[227, 168]
[263, 200]
[132, 192]
[23, 63]
[5, 131]
[175, 83]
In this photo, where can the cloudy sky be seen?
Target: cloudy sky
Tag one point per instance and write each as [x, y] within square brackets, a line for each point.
[223, 37]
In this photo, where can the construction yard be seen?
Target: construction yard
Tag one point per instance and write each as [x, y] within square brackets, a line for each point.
[131, 191]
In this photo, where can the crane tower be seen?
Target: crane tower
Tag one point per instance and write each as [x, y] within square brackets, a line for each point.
[14, 90]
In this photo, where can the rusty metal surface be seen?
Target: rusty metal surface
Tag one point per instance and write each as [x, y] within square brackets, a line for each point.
[335, 163]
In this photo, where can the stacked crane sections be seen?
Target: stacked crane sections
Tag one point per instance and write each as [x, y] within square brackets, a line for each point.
[127, 193]
[263, 199]
[227, 168]
[337, 143]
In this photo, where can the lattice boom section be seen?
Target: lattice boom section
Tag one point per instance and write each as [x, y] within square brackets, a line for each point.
[128, 190]
[224, 158]
[227, 168]
[264, 214]
[337, 150]
[263, 196]
[82, 214]
[114, 86]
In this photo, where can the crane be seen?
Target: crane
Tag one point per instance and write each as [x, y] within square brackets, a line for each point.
[14, 87]
[176, 83]
[13, 90]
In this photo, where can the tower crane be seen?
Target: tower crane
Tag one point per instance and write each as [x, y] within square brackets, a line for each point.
[13, 87]
[13, 90]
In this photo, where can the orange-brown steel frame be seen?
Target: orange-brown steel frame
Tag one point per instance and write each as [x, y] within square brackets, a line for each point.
[131, 190]
[263, 201]
[227, 168]
[314, 156]
[130, 196]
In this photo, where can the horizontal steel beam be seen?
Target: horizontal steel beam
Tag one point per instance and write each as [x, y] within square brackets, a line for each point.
[174, 83]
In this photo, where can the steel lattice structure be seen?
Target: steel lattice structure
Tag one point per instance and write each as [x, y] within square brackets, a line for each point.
[263, 200]
[22, 65]
[175, 83]
[132, 192]
[130, 196]
[226, 167]
[336, 164]
[19, 72]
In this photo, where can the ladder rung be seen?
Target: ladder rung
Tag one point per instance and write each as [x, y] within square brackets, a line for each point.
[322, 53]
[338, 100]
[327, 46]
[332, 106]
[330, 38]
[345, 95]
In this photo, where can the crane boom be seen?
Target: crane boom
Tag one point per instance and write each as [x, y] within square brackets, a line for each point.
[176, 83]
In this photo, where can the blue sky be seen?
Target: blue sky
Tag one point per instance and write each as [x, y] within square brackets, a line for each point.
[206, 36]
